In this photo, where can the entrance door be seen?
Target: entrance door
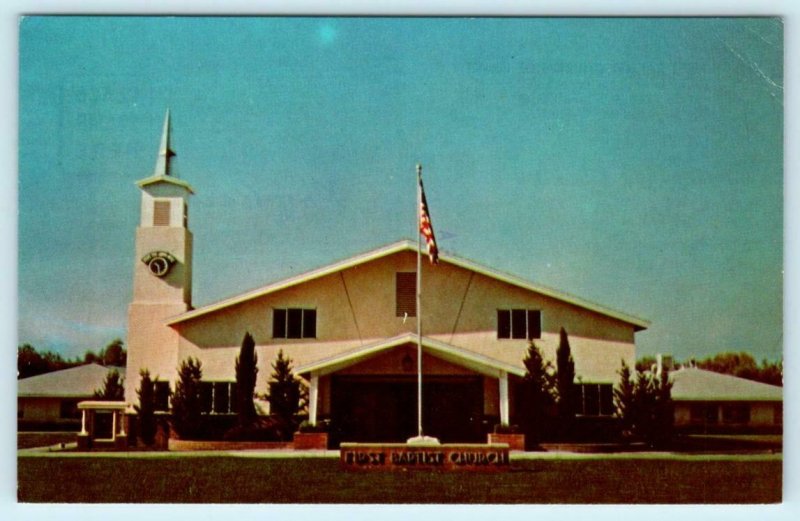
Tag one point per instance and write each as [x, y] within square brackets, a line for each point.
[384, 409]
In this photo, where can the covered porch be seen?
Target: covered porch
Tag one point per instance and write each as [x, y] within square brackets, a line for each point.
[369, 394]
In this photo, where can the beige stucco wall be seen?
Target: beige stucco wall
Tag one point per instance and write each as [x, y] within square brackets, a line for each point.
[356, 307]
[40, 409]
[762, 414]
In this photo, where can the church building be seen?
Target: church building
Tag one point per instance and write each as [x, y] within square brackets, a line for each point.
[350, 329]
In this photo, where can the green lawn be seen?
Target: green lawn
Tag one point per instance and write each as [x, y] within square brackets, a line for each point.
[226, 479]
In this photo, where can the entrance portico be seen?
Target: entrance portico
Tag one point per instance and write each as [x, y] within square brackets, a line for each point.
[369, 393]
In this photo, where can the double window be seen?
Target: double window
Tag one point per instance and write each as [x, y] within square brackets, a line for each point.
[218, 397]
[294, 323]
[519, 323]
[595, 399]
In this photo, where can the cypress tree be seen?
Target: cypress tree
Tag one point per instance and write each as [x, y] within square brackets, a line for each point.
[146, 408]
[284, 394]
[538, 386]
[246, 372]
[186, 402]
[565, 378]
[113, 389]
[625, 400]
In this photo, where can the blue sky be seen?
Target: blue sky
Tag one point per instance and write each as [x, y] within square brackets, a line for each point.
[633, 162]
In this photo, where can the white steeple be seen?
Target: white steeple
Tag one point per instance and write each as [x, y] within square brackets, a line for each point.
[165, 153]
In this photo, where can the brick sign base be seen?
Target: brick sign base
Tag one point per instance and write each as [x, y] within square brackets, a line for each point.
[399, 456]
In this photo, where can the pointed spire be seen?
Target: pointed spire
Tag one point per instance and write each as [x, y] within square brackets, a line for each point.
[165, 153]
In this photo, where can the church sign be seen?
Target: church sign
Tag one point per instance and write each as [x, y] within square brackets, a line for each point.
[400, 456]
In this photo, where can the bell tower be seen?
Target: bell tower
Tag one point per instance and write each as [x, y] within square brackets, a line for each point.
[162, 273]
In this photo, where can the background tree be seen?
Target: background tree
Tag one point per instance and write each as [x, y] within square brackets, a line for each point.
[186, 401]
[644, 405]
[113, 388]
[114, 354]
[246, 372]
[565, 380]
[284, 394]
[538, 401]
[31, 362]
[147, 408]
[645, 363]
[743, 365]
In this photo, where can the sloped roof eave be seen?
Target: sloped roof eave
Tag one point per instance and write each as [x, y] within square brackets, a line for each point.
[406, 245]
[448, 352]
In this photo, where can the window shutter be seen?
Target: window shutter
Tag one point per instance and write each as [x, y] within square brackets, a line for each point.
[406, 293]
[161, 212]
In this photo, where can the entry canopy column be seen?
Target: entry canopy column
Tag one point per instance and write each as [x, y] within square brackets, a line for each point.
[313, 394]
[503, 380]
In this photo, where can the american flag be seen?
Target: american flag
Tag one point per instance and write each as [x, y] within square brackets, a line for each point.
[425, 226]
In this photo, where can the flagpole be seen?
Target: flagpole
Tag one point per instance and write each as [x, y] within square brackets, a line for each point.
[419, 300]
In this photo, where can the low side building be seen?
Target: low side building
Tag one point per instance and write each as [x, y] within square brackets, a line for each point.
[711, 402]
[52, 398]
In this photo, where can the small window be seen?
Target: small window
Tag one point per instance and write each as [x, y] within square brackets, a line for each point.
[69, 409]
[162, 393]
[294, 323]
[738, 414]
[595, 399]
[519, 323]
[185, 215]
[406, 294]
[218, 397]
[704, 413]
[161, 210]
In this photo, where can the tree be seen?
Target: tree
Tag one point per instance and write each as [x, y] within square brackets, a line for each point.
[186, 401]
[284, 394]
[113, 388]
[246, 372]
[538, 389]
[744, 365]
[625, 400]
[565, 380]
[644, 404]
[31, 362]
[146, 408]
[114, 354]
[646, 363]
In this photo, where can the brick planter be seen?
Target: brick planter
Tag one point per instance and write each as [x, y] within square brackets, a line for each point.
[310, 440]
[514, 441]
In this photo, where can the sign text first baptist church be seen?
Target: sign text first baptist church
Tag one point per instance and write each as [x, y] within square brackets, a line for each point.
[345, 326]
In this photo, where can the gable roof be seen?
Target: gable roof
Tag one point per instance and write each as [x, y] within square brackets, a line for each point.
[75, 382]
[476, 362]
[400, 246]
[693, 384]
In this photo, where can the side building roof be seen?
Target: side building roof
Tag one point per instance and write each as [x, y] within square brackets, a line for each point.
[693, 384]
[406, 245]
[75, 382]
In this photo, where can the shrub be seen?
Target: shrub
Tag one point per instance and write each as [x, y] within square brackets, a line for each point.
[146, 408]
[186, 402]
[113, 388]
[246, 373]
[284, 394]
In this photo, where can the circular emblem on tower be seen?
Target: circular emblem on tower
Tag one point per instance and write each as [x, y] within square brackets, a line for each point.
[159, 262]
